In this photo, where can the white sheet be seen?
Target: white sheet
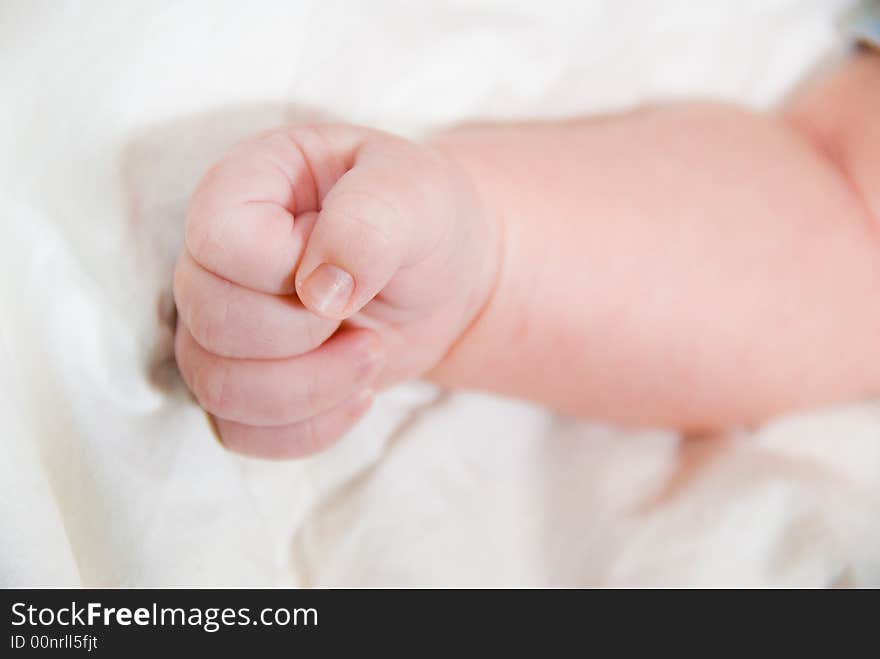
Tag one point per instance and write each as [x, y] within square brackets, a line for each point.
[109, 474]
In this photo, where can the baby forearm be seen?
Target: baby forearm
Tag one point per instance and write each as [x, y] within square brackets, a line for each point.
[693, 266]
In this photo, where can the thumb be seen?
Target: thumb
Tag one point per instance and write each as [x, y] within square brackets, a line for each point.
[364, 232]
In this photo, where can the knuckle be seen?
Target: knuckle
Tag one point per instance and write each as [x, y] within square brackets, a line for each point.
[197, 237]
[210, 388]
[200, 232]
[203, 328]
[208, 322]
[312, 134]
[375, 220]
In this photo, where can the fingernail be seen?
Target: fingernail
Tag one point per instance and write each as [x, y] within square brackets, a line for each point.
[328, 289]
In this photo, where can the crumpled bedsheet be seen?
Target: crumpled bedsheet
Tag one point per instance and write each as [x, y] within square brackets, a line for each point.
[110, 475]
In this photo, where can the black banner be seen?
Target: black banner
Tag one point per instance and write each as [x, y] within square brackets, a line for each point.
[330, 622]
[116, 622]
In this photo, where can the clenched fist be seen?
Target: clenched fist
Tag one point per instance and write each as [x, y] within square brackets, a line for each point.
[321, 263]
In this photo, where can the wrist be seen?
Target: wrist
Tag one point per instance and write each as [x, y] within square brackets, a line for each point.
[486, 228]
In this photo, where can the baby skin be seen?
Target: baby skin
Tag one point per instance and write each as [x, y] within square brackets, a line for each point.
[697, 266]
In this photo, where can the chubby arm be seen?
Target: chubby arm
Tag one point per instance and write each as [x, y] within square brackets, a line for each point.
[692, 266]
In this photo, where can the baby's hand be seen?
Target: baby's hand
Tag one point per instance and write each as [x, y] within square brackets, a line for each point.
[298, 230]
